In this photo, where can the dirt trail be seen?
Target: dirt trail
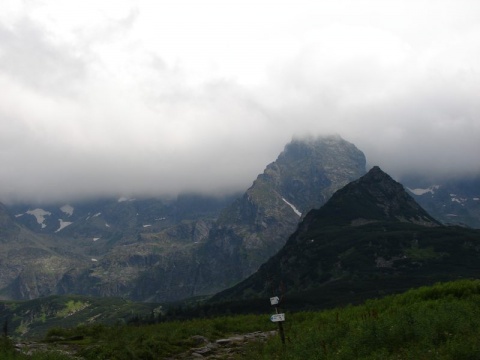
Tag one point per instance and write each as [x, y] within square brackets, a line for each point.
[221, 349]
[224, 349]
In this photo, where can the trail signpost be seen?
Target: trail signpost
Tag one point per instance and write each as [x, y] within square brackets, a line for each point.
[274, 300]
[278, 317]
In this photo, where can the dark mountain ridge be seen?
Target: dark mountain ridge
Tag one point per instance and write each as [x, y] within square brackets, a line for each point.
[373, 197]
[371, 238]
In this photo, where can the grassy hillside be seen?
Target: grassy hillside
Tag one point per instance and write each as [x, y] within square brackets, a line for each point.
[33, 318]
[436, 322]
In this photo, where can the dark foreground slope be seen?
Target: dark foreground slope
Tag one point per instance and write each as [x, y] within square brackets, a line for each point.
[369, 239]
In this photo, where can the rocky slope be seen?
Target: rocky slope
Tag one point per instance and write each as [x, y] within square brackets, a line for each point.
[31, 265]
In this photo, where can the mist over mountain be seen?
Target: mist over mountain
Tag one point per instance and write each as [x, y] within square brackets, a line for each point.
[140, 99]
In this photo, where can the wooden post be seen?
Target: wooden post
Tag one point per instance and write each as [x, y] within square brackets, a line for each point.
[278, 318]
[280, 328]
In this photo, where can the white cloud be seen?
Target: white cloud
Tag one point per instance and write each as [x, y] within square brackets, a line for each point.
[133, 97]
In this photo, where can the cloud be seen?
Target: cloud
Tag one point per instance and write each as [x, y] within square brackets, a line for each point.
[147, 98]
[29, 59]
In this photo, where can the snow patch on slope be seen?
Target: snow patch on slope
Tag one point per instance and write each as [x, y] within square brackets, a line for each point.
[419, 191]
[67, 209]
[63, 224]
[39, 215]
[295, 210]
[457, 199]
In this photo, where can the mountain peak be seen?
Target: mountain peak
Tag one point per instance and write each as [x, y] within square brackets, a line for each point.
[303, 177]
[374, 197]
[376, 171]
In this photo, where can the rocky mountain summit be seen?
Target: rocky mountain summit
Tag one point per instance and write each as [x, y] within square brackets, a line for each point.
[257, 225]
[162, 250]
[374, 197]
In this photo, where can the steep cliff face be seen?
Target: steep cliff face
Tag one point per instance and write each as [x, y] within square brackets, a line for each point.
[31, 265]
[308, 172]
[156, 266]
[257, 225]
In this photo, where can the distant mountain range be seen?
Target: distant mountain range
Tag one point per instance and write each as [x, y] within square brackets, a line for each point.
[371, 238]
[102, 218]
[453, 201]
[162, 250]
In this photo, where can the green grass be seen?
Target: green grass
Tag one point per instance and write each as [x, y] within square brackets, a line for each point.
[8, 352]
[32, 318]
[152, 341]
[436, 322]
[439, 322]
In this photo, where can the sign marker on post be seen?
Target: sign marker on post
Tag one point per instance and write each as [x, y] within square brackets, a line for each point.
[274, 300]
[277, 317]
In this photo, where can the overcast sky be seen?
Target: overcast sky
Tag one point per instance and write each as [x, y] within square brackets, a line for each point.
[154, 97]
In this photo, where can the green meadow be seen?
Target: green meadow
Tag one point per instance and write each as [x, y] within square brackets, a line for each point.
[436, 322]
